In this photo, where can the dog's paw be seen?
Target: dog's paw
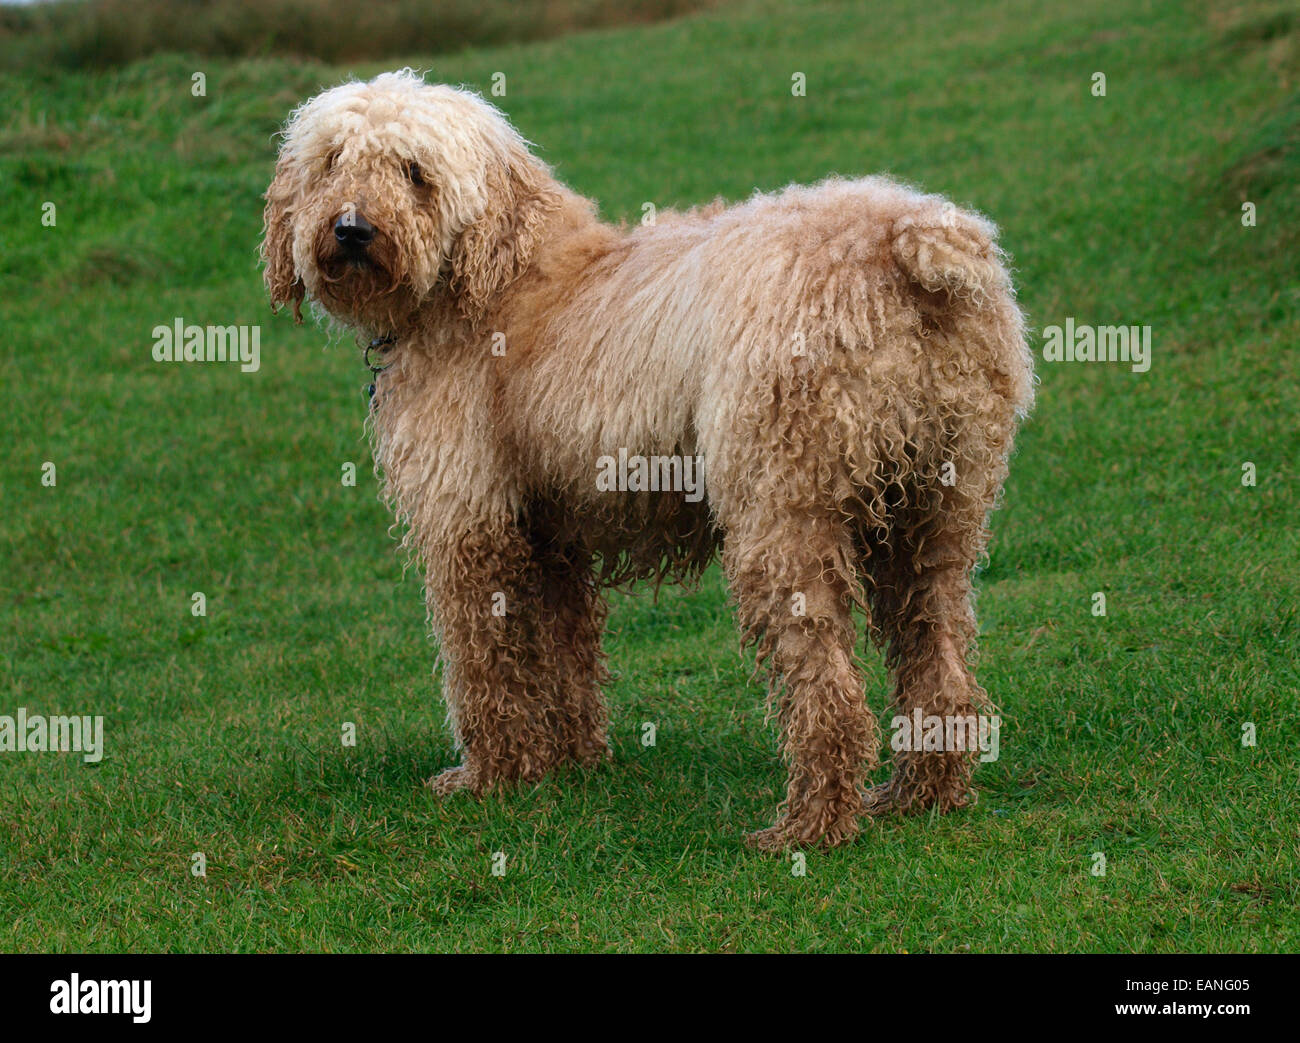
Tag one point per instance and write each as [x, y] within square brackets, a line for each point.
[789, 834]
[772, 840]
[898, 798]
[453, 779]
[592, 754]
[879, 800]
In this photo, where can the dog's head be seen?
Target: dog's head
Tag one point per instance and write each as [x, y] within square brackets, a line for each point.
[390, 191]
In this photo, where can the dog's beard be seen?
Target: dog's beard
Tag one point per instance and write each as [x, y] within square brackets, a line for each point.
[351, 280]
[366, 287]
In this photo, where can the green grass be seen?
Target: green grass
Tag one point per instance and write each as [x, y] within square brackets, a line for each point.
[1122, 734]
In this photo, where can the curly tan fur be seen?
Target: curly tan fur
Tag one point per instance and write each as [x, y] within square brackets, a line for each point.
[836, 353]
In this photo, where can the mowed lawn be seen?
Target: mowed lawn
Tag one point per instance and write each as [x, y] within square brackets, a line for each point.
[1123, 733]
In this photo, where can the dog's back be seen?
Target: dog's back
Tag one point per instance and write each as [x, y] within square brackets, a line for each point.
[693, 335]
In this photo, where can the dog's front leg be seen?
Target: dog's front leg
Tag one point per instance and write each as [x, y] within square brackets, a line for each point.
[486, 593]
[571, 626]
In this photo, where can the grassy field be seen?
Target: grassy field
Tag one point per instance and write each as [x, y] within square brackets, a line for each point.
[1122, 735]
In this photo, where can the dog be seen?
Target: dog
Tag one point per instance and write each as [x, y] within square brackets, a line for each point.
[846, 359]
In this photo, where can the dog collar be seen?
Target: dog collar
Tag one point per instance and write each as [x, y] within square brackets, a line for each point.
[382, 345]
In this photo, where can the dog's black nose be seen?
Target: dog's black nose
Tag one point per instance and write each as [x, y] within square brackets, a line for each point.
[353, 232]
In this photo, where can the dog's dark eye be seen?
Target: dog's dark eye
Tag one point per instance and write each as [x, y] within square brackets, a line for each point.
[413, 174]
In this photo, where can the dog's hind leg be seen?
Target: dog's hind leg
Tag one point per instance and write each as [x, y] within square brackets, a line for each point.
[791, 573]
[921, 602]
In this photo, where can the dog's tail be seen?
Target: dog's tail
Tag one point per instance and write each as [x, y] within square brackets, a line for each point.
[950, 250]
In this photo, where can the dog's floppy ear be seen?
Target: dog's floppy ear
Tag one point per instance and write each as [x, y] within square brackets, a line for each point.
[495, 250]
[282, 280]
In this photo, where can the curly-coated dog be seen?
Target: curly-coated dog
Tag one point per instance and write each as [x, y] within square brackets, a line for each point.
[847, 359]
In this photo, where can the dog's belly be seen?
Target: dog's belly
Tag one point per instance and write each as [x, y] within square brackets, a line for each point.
[603, 423]
[609, 437]
[635, 535]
